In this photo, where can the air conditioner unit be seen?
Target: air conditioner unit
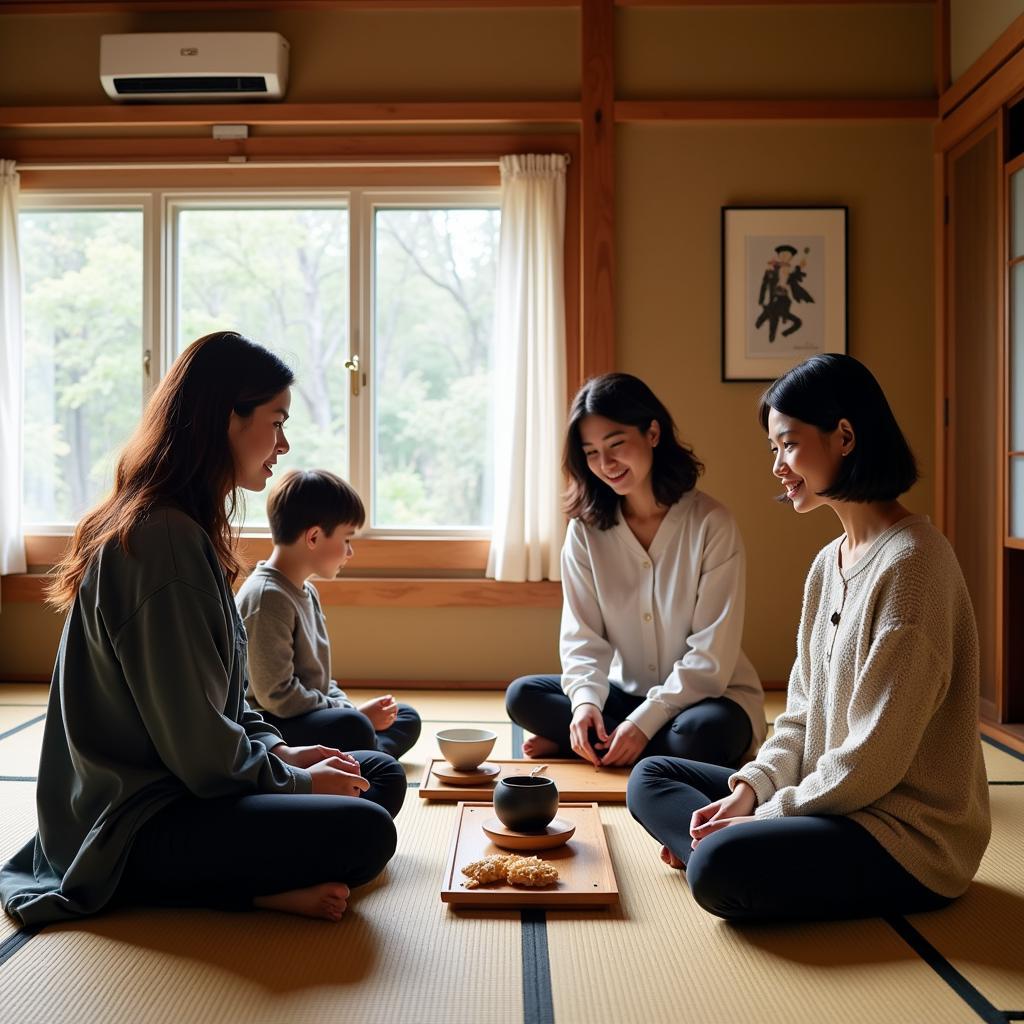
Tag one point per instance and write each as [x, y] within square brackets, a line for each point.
[194, 66]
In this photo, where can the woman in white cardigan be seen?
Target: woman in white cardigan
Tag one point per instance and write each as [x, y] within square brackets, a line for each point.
[653, 577]
[871, 797]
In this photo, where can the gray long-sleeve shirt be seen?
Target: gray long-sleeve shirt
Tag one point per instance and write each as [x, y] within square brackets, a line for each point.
[146, 706]
[289, 651]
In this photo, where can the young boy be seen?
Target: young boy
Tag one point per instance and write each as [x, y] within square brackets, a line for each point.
[313, 516]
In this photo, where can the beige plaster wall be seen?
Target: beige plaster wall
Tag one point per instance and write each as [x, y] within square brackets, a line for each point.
[786, 52]
[671, 185]
[672, 182]
[974, 25]
[336, 56]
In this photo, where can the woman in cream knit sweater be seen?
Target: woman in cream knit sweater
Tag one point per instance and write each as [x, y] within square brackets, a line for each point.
[870, 798]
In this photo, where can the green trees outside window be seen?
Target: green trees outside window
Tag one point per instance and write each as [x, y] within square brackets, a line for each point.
[416, 437]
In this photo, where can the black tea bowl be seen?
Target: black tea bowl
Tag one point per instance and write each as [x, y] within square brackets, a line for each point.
[525, 803]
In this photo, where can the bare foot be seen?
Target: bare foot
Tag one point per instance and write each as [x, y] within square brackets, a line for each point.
[671, 859]
[539, 746]
[327, 901]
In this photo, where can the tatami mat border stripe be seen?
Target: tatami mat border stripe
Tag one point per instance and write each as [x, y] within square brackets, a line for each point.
[1003, 747]
[1006, 782]
[24, 725]
[946, 971]
[538, 1004]
[517, 740]
[18, 778]
[13, 943]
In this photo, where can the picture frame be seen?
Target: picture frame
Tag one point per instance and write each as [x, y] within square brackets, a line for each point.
[784, 283]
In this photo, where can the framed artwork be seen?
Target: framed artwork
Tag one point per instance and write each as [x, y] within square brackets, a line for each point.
[783, 287]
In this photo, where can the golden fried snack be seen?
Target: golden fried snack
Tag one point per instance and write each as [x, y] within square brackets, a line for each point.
[501, 867]
[531, 871]
[490, 869]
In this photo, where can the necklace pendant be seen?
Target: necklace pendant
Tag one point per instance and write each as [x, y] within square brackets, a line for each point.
[835, 619]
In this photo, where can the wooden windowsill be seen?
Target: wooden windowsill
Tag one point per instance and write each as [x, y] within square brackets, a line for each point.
[397, 556]
[415, 571]
[395, 592]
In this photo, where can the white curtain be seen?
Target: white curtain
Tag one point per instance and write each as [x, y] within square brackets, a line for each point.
[530, 383]
[12, 542]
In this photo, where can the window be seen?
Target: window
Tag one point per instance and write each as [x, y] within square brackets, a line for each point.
[435, 272]
[381, 302]
[280, 276]
[82, 269]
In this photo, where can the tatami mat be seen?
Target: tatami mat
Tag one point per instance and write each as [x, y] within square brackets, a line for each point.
[399, 955]
[13, 715]
[1001, 766]
[19, 752]
[17, 825]
[659, 957]
[982, 933]
[24, 693]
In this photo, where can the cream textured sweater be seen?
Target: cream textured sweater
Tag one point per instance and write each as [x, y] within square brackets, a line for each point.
[881, 720]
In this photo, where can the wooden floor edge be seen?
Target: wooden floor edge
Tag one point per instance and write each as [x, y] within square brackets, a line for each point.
[1009, 736]
[770, 685]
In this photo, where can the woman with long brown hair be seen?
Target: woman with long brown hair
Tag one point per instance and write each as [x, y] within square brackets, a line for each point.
[157, 784]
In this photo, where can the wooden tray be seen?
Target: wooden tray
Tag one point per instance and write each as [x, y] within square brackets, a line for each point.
[576, 780]
[587, 879]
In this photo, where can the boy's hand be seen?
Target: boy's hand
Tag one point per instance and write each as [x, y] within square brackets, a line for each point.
[381, 711]
[334, 778]
[306, 757]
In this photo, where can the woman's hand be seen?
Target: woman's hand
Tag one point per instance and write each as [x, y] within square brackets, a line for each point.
[733, 809]
[335, 777]
[626, 744]
[585, 718]
[306, 757]
[381, 711]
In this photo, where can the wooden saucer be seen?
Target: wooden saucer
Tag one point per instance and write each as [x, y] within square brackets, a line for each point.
[558, 832]
[459, 777]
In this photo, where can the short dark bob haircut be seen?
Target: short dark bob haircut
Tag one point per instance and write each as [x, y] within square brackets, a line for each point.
[304, 498]
[827, 388]
[624, 399]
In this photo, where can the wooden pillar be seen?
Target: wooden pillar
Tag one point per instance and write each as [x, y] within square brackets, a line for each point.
[597, 183]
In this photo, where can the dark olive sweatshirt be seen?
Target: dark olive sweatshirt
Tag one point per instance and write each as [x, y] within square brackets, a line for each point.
[146, 705]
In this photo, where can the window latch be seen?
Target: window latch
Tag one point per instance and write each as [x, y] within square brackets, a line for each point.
[352, 365]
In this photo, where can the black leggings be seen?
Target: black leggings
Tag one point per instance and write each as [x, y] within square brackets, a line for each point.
[717, 730]
[809, 867]
[224, 852]
[349, 729]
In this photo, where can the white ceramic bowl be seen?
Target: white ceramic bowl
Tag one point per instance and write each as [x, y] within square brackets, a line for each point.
[466, 749]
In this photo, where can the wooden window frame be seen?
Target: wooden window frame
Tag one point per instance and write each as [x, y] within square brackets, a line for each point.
[973, 106]
[404, 562]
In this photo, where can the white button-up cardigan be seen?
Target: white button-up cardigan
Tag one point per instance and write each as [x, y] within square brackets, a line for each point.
[664, 624]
